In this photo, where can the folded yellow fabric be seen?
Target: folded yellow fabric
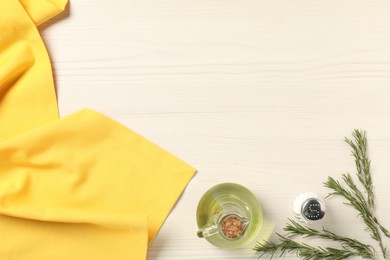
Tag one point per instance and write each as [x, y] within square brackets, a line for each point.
[84, 187]
[79, 187]
[27, 94]
[42, 10]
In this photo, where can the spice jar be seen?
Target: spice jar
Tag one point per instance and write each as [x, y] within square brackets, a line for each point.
[228, 216]
[308, 207]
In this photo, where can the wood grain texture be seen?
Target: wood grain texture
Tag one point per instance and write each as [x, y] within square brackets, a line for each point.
[256, 92]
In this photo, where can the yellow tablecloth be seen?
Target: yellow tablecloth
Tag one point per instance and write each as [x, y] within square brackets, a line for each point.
[79, 187]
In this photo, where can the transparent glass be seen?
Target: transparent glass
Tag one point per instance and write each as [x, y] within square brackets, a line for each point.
[228, 201]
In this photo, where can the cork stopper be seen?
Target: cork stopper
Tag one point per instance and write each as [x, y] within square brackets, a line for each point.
[233, 226]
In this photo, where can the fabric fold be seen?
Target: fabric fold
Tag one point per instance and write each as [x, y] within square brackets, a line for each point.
[87, 164]
[28, 97]
[41, 11]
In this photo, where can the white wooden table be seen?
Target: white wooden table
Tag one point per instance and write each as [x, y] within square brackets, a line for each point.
[255, 92]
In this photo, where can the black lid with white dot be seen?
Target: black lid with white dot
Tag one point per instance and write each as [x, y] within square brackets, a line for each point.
[311, 210]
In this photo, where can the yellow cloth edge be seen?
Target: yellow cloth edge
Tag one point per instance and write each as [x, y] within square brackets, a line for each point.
[41, 11]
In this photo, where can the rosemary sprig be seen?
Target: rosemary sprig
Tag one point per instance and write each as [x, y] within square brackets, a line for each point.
[295, 229]
[359, 152]
[356, 199]
[362, 201]
[349, 247]
[364, 204]
[303, 250]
